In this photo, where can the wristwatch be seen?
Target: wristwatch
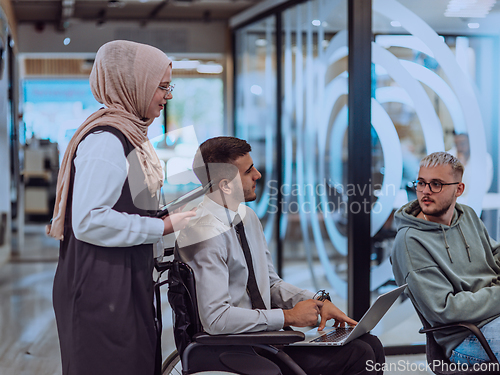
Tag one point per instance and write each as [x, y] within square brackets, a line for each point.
[322, 295]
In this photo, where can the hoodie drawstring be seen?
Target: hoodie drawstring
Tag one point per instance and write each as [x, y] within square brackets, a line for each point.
[466, 244]
[446, 244]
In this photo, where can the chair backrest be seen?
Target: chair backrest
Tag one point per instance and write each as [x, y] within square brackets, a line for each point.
[434, 352]
[438, 362]
[182, 299]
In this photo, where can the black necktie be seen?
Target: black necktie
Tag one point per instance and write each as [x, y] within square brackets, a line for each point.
[252, 288]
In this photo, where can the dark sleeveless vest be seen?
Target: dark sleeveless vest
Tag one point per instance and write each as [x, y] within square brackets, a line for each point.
[103, 296]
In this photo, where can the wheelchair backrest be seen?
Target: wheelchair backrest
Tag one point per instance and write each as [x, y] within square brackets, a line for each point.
[182, 299]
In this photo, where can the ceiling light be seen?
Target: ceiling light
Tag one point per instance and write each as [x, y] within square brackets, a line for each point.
[316, 22]
[185, 64]
[66, 41]
[261, 42]
[469, 8]
[209, 68]
[473, 25]
[256, 90]
[395, 24]
[116, 4]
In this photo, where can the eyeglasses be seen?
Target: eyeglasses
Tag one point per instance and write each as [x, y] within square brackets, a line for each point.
[167, 89]
[434, 186]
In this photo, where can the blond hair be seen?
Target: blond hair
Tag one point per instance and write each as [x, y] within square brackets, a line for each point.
[443, 158]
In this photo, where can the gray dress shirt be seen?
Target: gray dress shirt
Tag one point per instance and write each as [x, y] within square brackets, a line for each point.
[210, 246]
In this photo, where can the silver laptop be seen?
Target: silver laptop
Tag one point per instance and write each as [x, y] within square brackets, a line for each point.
[341, 336]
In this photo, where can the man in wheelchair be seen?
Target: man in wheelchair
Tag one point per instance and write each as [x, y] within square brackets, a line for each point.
[444, 253]
[238, 290]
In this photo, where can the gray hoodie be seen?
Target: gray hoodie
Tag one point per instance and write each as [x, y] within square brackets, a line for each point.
[453, 272]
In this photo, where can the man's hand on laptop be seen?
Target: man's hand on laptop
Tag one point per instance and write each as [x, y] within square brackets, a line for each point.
[304, 313]
[330, 311]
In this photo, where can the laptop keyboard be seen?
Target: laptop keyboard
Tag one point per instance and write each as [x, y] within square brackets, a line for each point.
[334, 336]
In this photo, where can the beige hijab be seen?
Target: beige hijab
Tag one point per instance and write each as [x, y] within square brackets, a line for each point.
[124, 78]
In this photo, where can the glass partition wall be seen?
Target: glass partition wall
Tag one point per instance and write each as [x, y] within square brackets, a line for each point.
[431, 90]
[303, 136]
[255, 111]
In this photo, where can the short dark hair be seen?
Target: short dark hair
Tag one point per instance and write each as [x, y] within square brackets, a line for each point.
[213, 156]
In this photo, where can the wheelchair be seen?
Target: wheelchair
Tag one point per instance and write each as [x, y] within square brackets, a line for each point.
[197, 351]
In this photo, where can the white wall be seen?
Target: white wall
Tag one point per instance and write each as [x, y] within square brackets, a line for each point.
[86, 37]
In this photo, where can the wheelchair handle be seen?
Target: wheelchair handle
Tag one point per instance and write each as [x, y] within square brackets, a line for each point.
[164, 266]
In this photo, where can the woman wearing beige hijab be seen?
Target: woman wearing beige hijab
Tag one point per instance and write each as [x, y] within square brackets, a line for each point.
[107, 187]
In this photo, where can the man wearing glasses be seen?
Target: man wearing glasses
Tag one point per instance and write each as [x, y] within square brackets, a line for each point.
[444, 253]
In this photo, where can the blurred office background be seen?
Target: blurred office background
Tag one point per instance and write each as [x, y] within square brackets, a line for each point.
[277, 73]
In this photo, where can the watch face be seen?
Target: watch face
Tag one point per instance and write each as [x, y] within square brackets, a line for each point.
[326, 297]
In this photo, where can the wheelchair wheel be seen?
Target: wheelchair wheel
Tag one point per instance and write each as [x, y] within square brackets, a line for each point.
[172, 365]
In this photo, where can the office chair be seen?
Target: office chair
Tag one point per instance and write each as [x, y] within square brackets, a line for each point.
[436, 358]
[198, 351]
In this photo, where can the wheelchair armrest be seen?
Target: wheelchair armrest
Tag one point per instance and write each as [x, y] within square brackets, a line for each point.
[251, 338]
[473, 329]
[162, 266]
